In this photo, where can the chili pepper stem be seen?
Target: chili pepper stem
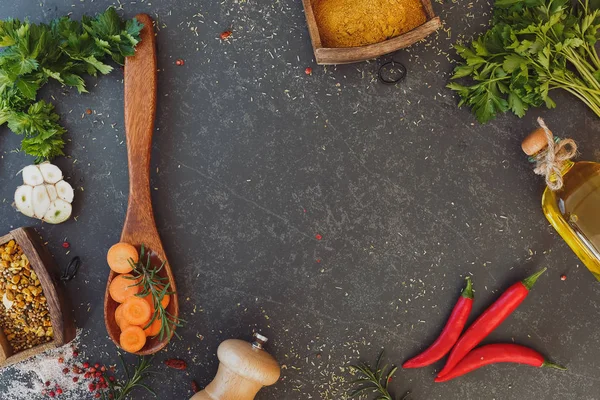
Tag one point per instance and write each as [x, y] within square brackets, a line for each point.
[468, 291]
[529, 282]
[548, 364]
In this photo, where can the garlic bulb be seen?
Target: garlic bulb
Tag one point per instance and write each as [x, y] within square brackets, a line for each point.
[44, 194]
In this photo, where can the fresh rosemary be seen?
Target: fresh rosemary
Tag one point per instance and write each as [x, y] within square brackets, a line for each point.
[147, 276]
[374, 380]
[119, 390]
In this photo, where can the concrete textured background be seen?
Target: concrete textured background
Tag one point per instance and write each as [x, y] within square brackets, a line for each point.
[252, 159]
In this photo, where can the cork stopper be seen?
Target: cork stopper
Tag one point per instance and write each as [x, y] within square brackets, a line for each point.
[535, 142]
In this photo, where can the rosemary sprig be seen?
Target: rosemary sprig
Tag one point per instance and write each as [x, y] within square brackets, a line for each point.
[119, 390]
[374, 380]
[147, 276]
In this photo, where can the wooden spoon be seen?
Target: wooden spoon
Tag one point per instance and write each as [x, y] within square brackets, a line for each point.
[140, 227]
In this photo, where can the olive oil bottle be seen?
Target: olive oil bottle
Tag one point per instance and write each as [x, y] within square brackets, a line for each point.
[574, 209]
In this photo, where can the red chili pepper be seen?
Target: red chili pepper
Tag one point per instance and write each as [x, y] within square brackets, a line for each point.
[489, 320]
[498, 353]
[450, 333]
[176, 363]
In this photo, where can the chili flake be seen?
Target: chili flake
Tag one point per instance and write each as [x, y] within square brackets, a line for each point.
[318, 236]
[225, 35]
[308, 71]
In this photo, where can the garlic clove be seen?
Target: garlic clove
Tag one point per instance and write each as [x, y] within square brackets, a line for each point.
[52, 192]
[59, 212]
[24, 200]
[41, 201]
[50, 172]
[65, 191]
[32, 176]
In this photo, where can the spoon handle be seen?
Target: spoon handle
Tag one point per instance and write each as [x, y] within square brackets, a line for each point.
[140, 111]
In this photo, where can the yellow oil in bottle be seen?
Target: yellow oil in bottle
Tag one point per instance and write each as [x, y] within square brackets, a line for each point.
[574, 209]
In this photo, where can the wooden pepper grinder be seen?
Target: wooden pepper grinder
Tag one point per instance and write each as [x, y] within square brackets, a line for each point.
[243, 370]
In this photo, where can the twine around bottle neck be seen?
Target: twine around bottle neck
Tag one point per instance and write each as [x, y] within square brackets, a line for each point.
[551, 161]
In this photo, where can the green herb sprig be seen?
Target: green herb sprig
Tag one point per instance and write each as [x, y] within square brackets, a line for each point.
[120, 389]
[532, 47]
[374, 380]
[147, 276]
[64, 51]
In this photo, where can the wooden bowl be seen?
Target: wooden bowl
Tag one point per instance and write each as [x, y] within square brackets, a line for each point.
[347, 55]
[140, 227]
[48, 273]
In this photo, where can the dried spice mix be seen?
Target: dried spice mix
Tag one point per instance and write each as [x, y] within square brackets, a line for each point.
[24, 314]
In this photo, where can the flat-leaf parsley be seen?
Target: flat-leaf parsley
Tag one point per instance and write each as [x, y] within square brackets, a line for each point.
[63, 50]
[532, 47]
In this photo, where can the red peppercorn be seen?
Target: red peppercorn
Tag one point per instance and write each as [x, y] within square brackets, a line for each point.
[51, 393]
[103, 368]
[98, 374]
[87, 375]
[75, 379]
[66, 371]
[101, 379]
[96, 365]
[318, 236]
[86, 364]
[93, 369]
[47, 383]
[92, 387]
[88, 111]
[179, 62]
[111, 378]
[97, 395]
[58, 391]
[563, 277]
[110, 395]
[225, 35]
[66, 245]
[61, 360]
[308, 71]
[75, 353]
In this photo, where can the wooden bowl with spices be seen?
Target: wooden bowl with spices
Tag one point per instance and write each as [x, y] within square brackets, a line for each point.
[35, 315]
[348, 31]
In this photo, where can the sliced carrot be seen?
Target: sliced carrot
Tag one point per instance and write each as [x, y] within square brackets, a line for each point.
[132, 339]
[154, 328]
[121, 322]
[136, 311]
[123, 287]
[118, 257]
[164, 301]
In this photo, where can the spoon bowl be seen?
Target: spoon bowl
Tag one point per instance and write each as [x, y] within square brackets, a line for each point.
[140, 227]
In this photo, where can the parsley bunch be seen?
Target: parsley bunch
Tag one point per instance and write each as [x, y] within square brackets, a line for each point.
[532, 47]
[65, 51]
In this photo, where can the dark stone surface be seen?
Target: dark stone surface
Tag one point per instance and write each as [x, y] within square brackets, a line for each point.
[252, 158]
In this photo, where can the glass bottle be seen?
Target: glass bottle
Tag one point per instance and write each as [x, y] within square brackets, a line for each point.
[573, 210]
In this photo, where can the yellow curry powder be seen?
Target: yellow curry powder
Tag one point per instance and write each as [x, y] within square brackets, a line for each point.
[351, 23]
